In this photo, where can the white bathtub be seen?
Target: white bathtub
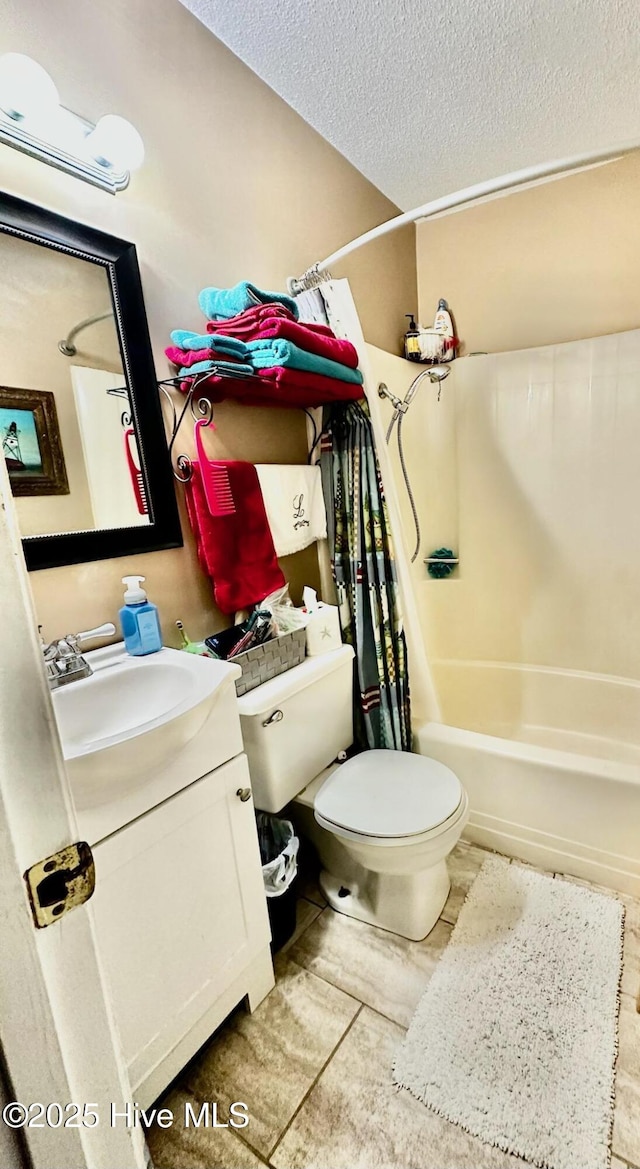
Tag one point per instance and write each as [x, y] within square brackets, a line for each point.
[550, 760]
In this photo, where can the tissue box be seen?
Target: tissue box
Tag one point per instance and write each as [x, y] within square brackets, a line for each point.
[323, 629]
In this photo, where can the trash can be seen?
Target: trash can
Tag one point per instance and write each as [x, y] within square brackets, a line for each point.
[279, 852]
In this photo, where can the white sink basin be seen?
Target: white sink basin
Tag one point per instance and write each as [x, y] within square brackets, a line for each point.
[134, 715]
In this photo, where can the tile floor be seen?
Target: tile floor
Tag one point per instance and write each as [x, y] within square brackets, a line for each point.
[313, 1063]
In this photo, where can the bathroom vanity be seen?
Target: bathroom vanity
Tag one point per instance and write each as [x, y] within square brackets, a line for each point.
[165, 801]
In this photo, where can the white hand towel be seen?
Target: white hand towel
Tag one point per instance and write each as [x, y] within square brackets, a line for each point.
[294, 505]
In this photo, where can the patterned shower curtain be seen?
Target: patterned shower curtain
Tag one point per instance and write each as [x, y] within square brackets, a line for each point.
[364, 572]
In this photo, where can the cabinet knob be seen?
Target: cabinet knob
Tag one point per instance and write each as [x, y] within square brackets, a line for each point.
[244, 794]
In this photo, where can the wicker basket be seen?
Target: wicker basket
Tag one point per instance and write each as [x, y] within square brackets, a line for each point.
[270, 659]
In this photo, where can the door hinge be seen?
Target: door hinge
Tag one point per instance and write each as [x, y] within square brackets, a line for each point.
[60, 883]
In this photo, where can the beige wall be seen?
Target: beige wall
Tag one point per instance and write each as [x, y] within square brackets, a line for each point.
[44, 294]
[556, 263]
[234, 186]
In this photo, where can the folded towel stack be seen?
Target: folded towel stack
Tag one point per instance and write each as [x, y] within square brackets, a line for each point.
[253, 331]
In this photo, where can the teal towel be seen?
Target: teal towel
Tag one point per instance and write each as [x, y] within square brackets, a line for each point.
[185, 339]
[221, 367]
[266, 353]
[219, 304]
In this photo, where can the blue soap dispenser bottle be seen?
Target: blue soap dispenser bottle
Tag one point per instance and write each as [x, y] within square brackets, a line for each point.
[139, 620]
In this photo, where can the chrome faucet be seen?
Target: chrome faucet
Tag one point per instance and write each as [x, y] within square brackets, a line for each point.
[64, 660]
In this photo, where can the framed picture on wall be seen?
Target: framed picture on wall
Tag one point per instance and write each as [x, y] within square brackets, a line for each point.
[30, 440]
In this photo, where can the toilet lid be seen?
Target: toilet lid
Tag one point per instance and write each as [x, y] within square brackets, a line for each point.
[389, 794]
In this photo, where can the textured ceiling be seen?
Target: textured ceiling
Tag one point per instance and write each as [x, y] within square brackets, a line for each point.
[427, 97]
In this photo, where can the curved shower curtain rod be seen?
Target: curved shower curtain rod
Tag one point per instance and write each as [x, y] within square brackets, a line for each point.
[547, 170]
[67, 347]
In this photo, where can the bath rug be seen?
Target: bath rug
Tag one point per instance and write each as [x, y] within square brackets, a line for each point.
[515, 1039]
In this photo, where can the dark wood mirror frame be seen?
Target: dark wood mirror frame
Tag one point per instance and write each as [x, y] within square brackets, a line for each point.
[120, 261]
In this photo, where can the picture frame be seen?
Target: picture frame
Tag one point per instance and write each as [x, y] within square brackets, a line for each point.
[30, 442]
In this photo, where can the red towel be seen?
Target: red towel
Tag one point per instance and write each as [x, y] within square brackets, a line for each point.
[307, 338]
[315, 387]
[278, 386]
[244, 325]
[236, 550]
[238, 325]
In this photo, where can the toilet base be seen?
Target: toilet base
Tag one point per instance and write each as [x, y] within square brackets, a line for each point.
[407, 904]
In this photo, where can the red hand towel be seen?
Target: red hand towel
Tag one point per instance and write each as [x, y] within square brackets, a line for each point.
[236, 550]
[249, 318]
[307, 338]
[317, 388]
[244, 325]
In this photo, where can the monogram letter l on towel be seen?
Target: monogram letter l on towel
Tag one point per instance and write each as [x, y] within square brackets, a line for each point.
[294, 505]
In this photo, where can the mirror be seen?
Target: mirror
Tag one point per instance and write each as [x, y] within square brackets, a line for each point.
[80, 422]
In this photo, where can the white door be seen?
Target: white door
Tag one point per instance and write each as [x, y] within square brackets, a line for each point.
[57, 1034]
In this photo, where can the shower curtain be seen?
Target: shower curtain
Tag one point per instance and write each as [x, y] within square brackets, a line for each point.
[365, 577]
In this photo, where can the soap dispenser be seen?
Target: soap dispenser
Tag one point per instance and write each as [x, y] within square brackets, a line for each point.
[412, 340]
[139, 620]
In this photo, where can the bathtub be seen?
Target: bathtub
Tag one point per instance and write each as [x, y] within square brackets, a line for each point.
[550, 759]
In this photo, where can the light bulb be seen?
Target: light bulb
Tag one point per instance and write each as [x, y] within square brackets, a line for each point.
[116, 143]
[26, 90]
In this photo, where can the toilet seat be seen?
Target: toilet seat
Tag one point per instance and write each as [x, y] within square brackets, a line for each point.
[389, 798]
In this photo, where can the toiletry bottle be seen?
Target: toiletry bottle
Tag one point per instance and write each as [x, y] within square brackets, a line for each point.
[139, 620]
[443, 325]
[412, 340]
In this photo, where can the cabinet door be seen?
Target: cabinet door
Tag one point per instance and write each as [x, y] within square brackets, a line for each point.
[180, 912]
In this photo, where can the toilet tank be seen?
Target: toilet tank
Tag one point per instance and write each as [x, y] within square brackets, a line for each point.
[296, 724]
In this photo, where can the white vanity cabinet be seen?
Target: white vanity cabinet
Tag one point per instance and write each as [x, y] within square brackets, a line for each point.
[181, 923]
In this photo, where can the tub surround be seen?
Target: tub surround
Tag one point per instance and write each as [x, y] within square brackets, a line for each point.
[551, 761]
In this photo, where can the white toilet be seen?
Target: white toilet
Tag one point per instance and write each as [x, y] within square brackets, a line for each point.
[383, 822]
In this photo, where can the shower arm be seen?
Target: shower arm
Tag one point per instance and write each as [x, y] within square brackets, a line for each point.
[560, 168]
[67, 346]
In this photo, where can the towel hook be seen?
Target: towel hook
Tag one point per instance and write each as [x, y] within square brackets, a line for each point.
[200, 409]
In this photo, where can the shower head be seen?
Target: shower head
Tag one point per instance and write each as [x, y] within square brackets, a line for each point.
[437, 373]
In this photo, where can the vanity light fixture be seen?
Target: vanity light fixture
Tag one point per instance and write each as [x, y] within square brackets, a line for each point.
[32, 120]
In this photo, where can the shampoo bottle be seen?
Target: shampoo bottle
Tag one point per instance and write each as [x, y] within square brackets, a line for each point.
[139, 620]
[443, 326]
